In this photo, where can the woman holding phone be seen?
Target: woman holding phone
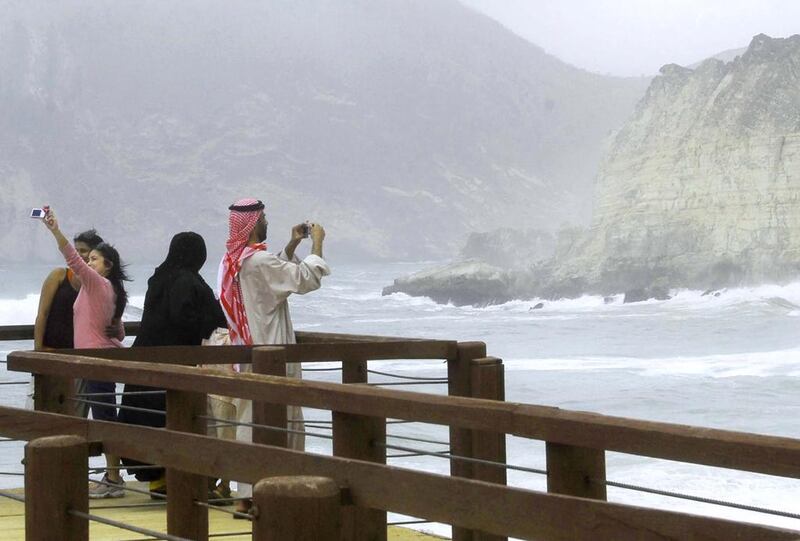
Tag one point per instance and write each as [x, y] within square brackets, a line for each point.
[99, 304]
[53, 326]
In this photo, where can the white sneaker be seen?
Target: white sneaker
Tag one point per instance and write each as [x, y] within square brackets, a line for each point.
[106, 488]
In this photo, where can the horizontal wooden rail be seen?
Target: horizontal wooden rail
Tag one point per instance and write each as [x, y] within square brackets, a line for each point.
[310, 352]
[502, 510]
[25, 332]
[711, 447]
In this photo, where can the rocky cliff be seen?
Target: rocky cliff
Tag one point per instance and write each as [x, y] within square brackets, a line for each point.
[700, 189]
[402, 125]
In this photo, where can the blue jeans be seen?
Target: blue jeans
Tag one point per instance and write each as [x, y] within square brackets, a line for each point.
[102, 412]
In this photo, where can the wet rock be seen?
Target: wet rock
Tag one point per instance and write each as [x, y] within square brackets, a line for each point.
[645, 294]
[466, 283]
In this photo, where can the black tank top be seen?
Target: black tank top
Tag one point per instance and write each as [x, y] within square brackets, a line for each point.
[58, 333]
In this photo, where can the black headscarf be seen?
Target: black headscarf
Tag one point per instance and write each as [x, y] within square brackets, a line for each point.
[187, 250]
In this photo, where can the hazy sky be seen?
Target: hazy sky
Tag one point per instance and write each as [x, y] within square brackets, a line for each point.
[637, 37]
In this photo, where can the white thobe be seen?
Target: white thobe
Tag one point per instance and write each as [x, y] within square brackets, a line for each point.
[266, 281]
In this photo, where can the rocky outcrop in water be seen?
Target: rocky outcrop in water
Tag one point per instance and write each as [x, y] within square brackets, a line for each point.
[468, 282]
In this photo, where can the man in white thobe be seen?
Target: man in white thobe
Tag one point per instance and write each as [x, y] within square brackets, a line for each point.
[254, 288]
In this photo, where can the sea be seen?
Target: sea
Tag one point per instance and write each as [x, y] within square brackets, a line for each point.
[729, 360]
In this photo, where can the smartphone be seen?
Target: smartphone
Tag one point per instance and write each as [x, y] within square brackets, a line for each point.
[306, 230]
[38, 213]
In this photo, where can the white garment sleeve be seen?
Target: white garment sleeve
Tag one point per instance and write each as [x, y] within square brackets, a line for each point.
[294, 259]
[285, 277]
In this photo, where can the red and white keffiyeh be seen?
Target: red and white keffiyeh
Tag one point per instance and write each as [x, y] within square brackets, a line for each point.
[241, 224]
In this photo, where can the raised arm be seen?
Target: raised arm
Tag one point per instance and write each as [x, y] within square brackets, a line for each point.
[283, 278]
[88, 277]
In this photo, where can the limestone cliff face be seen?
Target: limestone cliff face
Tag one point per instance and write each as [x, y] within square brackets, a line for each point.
[702, 186]
[700, 189]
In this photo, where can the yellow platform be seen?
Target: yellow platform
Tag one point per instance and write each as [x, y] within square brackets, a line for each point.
[12, 520]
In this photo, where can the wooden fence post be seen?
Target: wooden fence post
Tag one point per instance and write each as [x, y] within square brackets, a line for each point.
[488, 382]
[184, 517]
[53, 393]
[353, 437]
[570, 470]
[56, 480]
[354, 370]
[299, 508]
[459, 377]
[272, 362]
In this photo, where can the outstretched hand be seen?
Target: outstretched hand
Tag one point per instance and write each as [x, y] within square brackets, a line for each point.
[51, 223]
[50, 220]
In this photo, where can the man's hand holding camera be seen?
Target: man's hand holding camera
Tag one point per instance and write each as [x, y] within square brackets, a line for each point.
[305, 230]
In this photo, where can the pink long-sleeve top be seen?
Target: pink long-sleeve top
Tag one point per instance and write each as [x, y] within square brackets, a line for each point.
[93, 310]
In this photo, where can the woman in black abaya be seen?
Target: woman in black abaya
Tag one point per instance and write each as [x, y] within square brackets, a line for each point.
[180, 309]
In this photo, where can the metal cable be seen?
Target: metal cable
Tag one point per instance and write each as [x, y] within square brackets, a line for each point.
[130, 505]
[407, 455]
[239, 514]
[321, 427]
[9, 439]
[231, 500]
[220, 425]
[307, 423]
[14, 382]
[210, 535]
[12, 496]
[130, 528]
[421, 440]
[700, 499]
[408, 522]
[389, 374]
[322, 369]
[385, 384]
[156, 495]
[253, 425]
[11, 473]
[461, 458]
[120, 406]
[126, 393]
[142, 467]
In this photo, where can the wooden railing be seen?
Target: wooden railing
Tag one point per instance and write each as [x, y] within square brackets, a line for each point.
[469, 373]
[576, 443]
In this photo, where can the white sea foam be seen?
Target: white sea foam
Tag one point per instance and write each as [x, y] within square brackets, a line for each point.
[23, 311]
[753, 364]
[19, 311]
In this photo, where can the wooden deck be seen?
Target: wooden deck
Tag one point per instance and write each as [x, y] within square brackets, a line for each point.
[12, 520]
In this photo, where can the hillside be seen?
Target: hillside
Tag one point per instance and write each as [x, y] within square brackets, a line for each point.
[402, 125]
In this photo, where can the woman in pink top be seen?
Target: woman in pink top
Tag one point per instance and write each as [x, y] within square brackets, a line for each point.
[100, 303]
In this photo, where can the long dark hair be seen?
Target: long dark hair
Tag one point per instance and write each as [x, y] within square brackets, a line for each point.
[116, 276]
[89, 237]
